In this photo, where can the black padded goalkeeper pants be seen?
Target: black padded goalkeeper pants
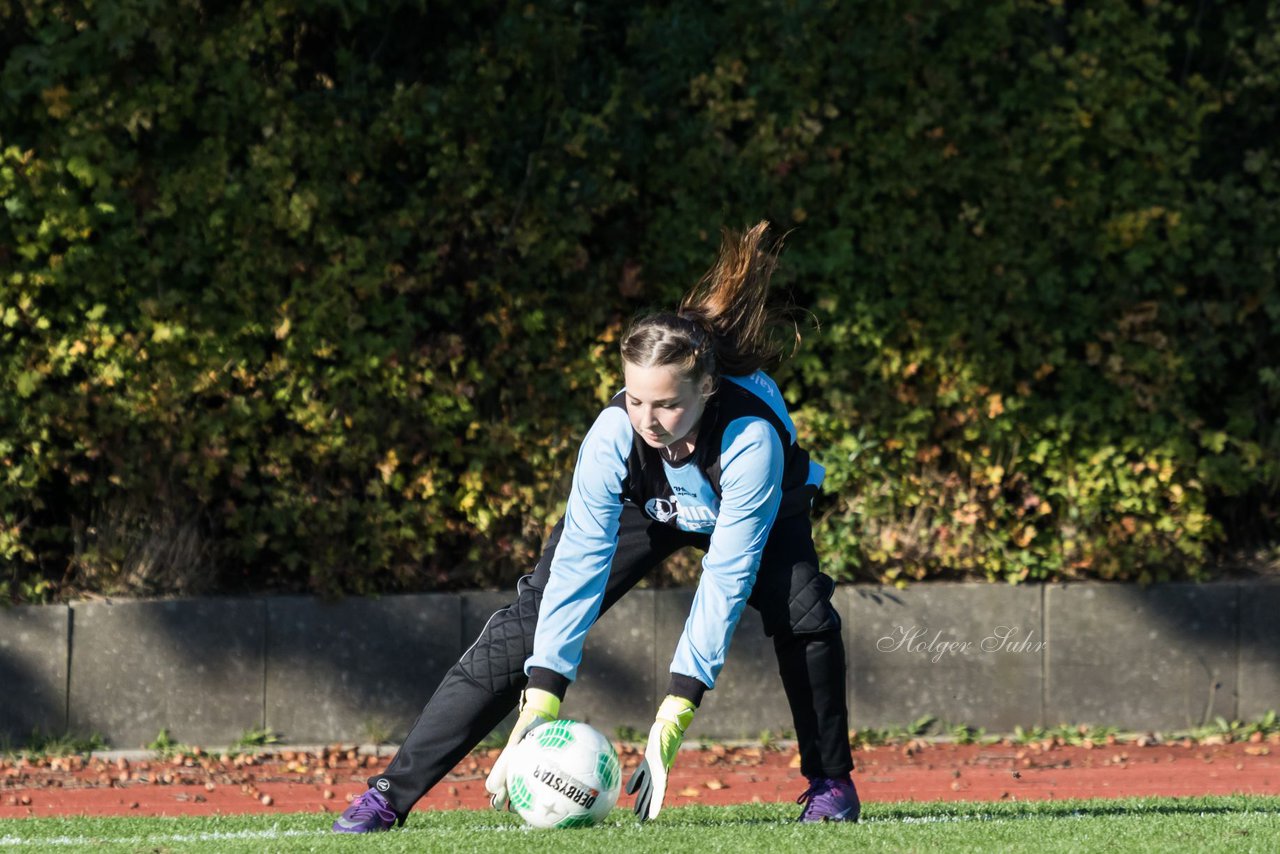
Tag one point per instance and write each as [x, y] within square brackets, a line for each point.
[791, 594]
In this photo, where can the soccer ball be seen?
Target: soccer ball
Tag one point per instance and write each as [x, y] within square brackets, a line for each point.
[563, 774]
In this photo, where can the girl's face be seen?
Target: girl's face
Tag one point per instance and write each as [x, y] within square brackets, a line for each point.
[664, 406]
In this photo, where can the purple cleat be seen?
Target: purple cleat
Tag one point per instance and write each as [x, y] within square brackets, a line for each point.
[830, 799]
[369, 813]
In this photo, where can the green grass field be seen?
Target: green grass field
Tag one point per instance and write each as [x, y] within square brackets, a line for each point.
[1236, 824]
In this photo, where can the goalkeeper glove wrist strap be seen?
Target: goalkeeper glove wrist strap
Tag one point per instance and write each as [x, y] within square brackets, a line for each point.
[544, 704]
[675, 712]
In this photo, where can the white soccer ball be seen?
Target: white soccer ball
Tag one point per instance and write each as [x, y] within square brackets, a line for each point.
[563, 774]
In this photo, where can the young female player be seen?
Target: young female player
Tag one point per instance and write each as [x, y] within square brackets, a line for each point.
[696, 450]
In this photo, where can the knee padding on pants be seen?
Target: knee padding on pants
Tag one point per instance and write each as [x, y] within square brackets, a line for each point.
[809, 608]
[496, 660]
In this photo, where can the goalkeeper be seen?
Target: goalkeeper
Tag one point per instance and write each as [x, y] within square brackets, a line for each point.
[697, 450]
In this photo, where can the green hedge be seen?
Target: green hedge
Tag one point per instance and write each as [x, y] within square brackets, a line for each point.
[322, 295]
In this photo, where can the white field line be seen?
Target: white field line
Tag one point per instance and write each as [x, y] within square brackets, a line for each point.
[11, 840]
[215, 836]
[212, 836]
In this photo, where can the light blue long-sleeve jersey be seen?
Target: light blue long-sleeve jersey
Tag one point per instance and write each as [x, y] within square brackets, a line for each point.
[738, 513]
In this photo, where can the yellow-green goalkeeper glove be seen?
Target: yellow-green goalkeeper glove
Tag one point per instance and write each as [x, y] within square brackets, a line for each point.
[649, 782]
[536, 707]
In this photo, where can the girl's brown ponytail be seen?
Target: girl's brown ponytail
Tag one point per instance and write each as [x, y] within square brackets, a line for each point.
[724, 324]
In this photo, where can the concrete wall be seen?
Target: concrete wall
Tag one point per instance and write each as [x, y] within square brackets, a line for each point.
[1164, 657]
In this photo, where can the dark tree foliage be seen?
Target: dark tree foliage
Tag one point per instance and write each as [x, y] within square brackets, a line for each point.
[322, 295]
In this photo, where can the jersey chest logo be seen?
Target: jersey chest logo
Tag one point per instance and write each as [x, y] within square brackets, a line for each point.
[661, 509]
[688, 518]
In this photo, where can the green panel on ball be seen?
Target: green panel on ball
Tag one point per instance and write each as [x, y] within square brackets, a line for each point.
[556, 734]
[607, 770]
[584, 820]
[518, 792]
